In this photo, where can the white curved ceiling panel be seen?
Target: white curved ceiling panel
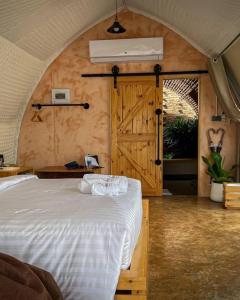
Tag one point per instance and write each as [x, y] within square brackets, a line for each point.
[208, 24]
[19, 73]
[50, 26]
[32, 32]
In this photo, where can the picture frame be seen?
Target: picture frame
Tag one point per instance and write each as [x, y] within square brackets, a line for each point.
[92, 161]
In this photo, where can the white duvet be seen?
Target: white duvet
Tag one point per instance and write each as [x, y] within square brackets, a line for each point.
[83, 240]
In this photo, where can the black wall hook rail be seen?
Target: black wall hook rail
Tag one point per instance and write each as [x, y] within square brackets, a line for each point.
[39, 105]
[156, 72]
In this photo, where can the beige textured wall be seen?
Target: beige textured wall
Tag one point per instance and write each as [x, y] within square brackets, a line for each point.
[207, 108]
[68, 133]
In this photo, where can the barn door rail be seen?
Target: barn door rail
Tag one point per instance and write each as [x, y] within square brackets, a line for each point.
[158, 160]
[157, 71]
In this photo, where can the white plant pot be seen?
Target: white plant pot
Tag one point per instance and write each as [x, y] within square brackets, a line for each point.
[216, 192]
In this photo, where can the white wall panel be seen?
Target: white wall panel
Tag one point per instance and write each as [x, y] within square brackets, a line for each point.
[19, 72]
[8, 142]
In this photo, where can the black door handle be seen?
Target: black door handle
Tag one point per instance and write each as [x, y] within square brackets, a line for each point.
[158, 112]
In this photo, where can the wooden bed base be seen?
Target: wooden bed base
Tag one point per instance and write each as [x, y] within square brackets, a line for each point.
[132, 284]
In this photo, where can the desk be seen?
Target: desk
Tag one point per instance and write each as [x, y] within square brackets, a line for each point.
[62, 172]
[11, 171]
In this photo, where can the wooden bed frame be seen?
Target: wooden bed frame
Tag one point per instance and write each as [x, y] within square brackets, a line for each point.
[132, 284]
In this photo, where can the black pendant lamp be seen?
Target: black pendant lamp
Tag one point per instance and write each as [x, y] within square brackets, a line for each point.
[116, 26]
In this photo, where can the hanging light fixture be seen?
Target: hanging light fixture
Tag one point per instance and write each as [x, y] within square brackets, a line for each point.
[116, 26]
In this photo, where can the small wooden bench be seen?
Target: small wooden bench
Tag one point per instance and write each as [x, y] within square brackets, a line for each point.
[132, 284]
[232, 195]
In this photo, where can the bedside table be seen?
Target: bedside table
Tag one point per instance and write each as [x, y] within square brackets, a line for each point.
[54, 172]
[11, 171]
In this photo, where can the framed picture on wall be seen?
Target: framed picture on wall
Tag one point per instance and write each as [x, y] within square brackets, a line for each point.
[92, 161]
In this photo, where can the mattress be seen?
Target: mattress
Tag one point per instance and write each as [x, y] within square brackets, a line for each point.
[82, 240]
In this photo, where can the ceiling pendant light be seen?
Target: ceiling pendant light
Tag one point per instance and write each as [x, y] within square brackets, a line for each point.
[116, 26]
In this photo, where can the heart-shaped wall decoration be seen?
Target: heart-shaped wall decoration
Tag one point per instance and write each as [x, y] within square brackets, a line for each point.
[214, 134]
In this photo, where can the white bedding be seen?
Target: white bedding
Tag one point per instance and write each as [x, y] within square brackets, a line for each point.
[83, 240]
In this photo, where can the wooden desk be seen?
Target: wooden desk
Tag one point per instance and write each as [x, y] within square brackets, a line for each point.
[11, 171]
[62, 172]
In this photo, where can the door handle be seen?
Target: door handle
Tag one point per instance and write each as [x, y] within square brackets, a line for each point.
[158, 112]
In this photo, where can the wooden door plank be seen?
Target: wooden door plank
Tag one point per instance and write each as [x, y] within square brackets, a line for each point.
[137, 137]
[132, 112]
[135, 165]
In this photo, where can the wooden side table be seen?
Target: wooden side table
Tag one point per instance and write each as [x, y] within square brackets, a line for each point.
[54, 172]
[11, 171]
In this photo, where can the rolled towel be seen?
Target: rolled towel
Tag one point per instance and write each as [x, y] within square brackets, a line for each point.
[84, 187]
[109, 189]
[121, 181]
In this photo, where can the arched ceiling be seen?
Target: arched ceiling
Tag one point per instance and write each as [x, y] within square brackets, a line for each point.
[41, 27]
[33, 33]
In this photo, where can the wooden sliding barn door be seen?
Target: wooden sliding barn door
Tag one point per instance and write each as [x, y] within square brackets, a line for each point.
[134, 130]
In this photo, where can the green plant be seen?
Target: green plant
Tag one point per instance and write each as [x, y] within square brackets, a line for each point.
[180, 137]
[215, 168]
[169, 155]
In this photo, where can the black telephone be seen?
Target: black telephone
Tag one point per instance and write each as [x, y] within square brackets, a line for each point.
[73, 165]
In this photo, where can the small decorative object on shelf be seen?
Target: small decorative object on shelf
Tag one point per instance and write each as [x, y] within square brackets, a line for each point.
[92, 161]
[232, 195]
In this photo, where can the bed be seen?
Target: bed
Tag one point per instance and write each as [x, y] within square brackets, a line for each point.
[84, 241]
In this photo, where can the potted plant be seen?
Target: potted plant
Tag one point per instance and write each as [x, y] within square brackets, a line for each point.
[218, 175]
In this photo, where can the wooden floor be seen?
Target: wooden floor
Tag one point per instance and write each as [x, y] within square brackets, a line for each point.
[194, 250]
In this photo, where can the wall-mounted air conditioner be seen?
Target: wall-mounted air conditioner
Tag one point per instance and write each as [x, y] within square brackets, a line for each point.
[140, 49]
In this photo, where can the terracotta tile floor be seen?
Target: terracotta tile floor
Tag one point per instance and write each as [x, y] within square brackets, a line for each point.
[194, 250]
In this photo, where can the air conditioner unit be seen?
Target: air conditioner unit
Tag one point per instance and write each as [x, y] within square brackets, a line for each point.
[140, 49]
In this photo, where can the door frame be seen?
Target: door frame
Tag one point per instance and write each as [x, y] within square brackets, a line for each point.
[200, 95]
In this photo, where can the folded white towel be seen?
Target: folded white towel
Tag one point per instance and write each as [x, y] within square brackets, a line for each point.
[121, 181]
[109, 189]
